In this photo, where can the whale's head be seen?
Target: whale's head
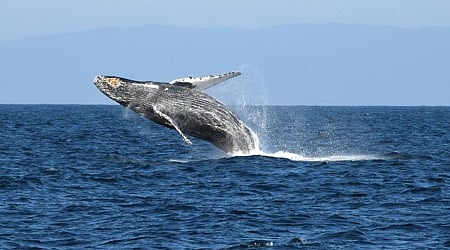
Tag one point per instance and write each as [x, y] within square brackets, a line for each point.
[114, 87]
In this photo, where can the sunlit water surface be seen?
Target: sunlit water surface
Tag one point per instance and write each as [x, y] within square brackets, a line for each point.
[323, 178]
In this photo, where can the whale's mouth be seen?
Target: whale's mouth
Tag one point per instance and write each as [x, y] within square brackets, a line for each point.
[98, 78]
[99, 82]
[109, 86]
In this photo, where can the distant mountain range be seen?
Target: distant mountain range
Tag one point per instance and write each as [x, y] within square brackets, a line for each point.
[328, 64]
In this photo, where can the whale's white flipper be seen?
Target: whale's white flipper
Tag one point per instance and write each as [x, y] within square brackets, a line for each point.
[185, 139]
[201, 83]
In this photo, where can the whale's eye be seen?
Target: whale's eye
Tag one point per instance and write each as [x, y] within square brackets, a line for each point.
[113, 82]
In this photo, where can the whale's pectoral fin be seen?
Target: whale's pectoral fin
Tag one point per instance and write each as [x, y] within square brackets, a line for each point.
[201, 83]
[169, 120]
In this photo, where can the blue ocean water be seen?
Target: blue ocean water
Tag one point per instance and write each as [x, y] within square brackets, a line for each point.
[102, 177]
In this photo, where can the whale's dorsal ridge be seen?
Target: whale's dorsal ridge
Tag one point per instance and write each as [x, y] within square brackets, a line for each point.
[201, 83]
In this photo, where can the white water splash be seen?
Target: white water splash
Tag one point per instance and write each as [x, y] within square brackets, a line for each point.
[298, 157]
[252, 86]
[331, 158]
[126, 112]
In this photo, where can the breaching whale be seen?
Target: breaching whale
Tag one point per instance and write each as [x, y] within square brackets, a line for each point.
[181, 105]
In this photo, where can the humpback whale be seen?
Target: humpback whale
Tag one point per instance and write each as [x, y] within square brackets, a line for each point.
[181, 105]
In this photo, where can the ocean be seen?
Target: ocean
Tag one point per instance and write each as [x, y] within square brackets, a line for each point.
[103, 177]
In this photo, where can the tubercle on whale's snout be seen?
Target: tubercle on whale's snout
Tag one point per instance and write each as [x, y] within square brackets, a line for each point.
[98, 79]
[99, 82]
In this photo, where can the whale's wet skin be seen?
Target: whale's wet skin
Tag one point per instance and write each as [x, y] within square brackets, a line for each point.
[181, 105]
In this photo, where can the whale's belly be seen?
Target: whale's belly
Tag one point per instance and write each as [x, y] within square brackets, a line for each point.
[199, 115]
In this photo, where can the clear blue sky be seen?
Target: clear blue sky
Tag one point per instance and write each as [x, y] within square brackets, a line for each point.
[23, 19]
[29, 18]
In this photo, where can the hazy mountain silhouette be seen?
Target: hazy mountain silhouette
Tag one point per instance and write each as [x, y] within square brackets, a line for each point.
[299, 64]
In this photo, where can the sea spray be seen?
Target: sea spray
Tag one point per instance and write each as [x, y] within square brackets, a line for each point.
[126, 113]
[253, 108]
[247, 97]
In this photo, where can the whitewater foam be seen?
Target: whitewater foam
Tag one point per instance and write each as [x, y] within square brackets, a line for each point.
[330, 158]
[298, 157]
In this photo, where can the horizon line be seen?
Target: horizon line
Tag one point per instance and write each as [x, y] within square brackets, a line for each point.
[93, 29]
